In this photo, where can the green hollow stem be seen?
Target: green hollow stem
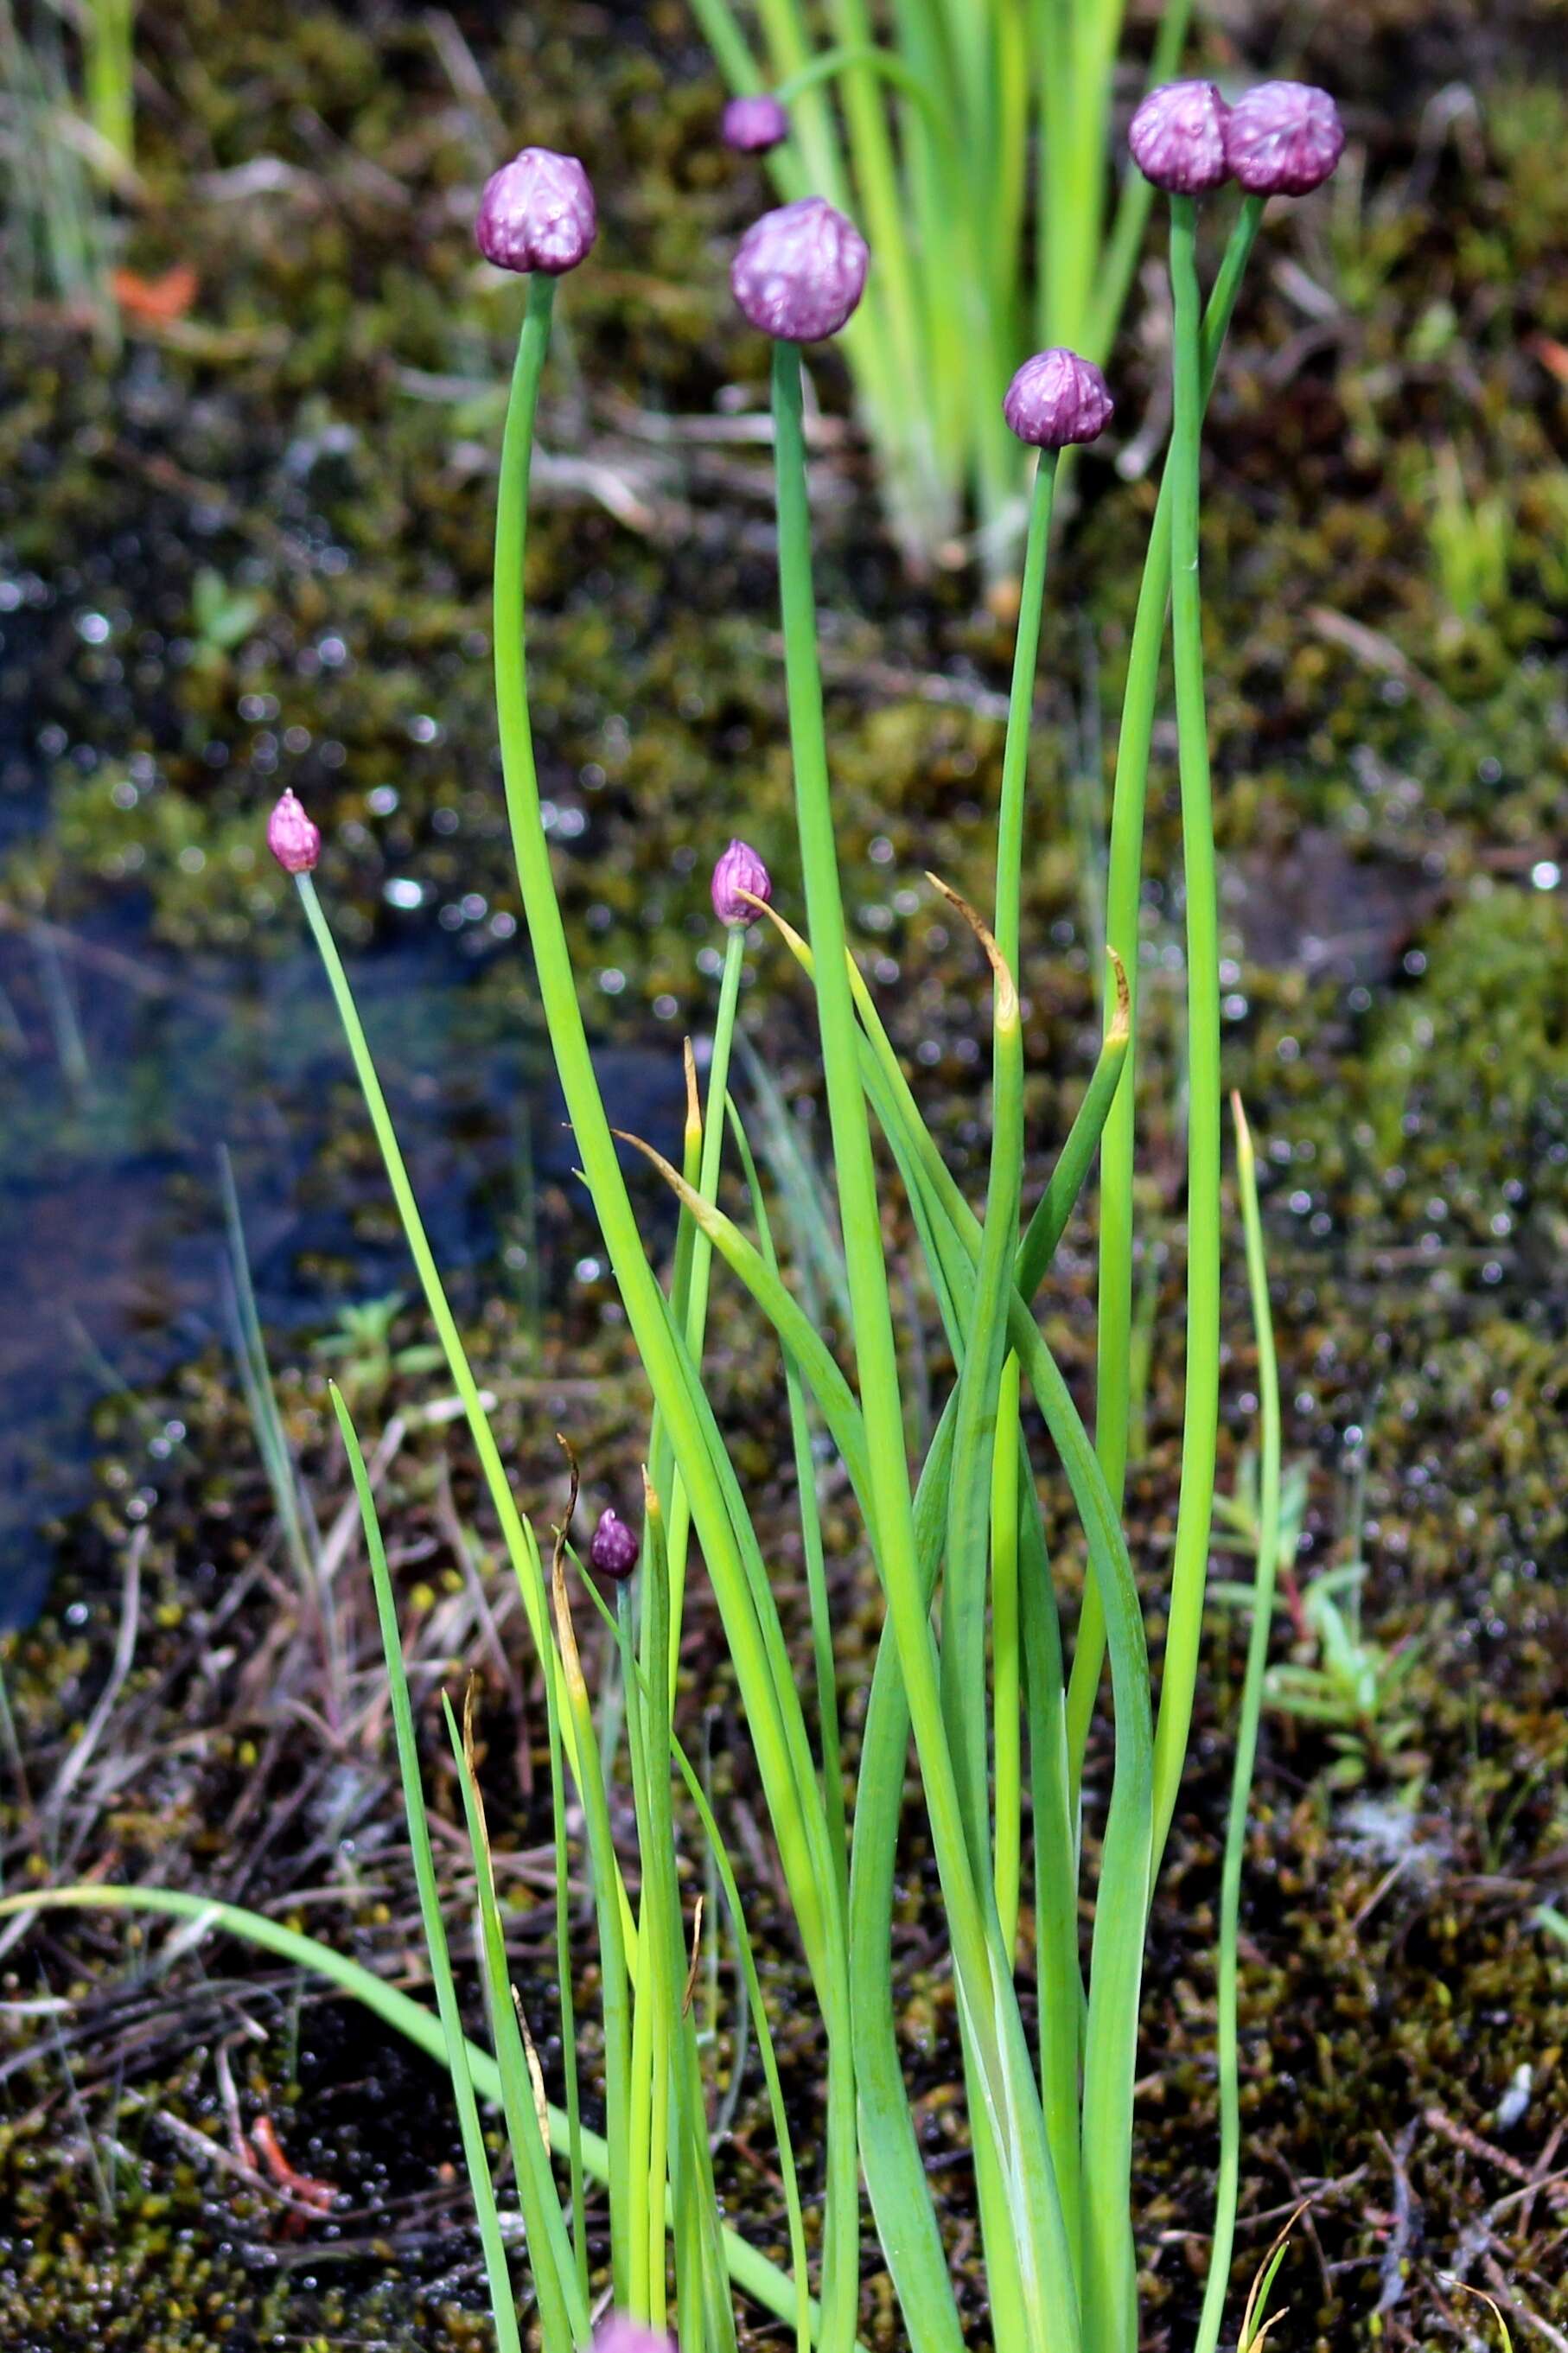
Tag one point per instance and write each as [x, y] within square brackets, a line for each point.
[986, 1990]
[1225, 2035]
[513, 1533]
[1200, 1418]
[703, 1255]
[811, 1537]
[1006, 1694]
[1113, 1377]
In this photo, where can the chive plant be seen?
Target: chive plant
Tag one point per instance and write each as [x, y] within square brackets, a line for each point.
[922, 126]
[972, 1663]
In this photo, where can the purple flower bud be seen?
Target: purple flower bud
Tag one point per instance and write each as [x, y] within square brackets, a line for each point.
[537, 212]
[1057, 398]
[619, 2335]
[740, 869]
[753, 125]
[799, 272]
[613, 1550]
[291, 837]
[1283, 139]
[1177, 138]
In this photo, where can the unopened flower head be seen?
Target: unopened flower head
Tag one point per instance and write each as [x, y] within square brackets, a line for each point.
[1056, 398]
[1283, 139]
[799, 272]
[291, 837]
[754, 123]
[619, 2335]
[537, 212]
[740, 869]
[1177, 138]
[614, 1549]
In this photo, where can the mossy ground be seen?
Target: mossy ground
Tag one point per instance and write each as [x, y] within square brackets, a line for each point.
[1385, 581]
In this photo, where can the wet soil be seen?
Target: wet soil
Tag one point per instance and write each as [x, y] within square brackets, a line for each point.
[1385, 583]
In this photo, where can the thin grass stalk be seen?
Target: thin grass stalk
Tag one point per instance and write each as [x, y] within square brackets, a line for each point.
[1004, 1500]
[811, 1542]
[803, 2315]
[1200, 1418]
[696, 1287]
[1267, 1561]
[975, 1435]
[751, 2271]
[566, 1998]
[1113, 1371]
[991, 2005]
[1006, 1678]
[435, 1300]
[563, 2304]
[503, 2310]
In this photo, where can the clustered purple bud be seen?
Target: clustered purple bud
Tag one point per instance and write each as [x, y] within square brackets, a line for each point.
[614, 1549]
[753, 125]
[537, 212]
[799, 272]
[739, 869]
[619, 2335]
[1177, 138]
[1283, 139]
[291, 837]
[1056, 398]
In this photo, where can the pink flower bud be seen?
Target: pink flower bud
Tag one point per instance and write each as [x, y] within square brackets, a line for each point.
[613, 1550]
[740, 869]
[537, 212]
[799, 272]
[619, 2335]
[753, 125]
[1057, 398]
[1283, 139]
[291, 837]
[1177, 138]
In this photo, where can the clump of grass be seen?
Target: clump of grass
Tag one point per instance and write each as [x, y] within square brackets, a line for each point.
[971, 1662]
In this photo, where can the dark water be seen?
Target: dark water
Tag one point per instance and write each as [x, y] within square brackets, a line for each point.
[125, 1069]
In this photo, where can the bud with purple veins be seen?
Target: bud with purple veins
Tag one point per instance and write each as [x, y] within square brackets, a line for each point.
[1283, 139]
[1056, 398]
[537, 212]
[614, 1549]
[738, 870]
[755, 124]
[799, 272]
[291, 837]
[1177, 138]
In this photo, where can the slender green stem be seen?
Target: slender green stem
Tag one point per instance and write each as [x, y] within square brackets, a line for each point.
[461, 1373]
[1005, 1658]
[1020, 711]
[1246, 1745]
[1113, 1379]
[502, 2307]
[696, 1321]
[811, 1537]
[1200, 1418]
